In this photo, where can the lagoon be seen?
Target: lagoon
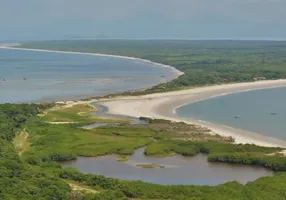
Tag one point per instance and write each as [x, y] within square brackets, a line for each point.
[178, 170]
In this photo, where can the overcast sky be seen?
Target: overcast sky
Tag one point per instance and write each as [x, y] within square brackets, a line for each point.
[181, 19]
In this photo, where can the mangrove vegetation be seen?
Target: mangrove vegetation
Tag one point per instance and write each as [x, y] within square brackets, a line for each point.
[30, 148]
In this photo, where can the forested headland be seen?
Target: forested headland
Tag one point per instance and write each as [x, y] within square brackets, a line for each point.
[203, 62]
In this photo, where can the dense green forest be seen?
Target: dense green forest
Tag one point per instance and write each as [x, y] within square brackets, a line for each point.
[31, 173]
[203, 62]
[19, 180]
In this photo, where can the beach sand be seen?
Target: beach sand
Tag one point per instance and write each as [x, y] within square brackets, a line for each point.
[163, 105]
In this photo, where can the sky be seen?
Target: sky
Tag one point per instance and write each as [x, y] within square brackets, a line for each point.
[142, 19]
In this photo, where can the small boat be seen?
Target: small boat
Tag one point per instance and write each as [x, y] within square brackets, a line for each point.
[274, 113]
[236, 116]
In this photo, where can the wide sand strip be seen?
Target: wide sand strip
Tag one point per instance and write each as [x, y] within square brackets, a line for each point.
[163, 105]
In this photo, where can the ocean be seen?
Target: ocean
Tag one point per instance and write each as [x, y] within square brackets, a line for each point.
[29, 76]
[260, 111]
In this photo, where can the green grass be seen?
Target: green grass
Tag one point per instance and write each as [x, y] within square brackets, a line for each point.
[67, 141]
[163, 138]
[21, 142]
[150, 166]
[181, 131]
[80, 187]
[122, 158]
[36, 176]
[221, 152]
[77, 114]
[190, 148]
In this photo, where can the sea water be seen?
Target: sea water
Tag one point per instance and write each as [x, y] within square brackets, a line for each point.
[261, 111]
[29, 76]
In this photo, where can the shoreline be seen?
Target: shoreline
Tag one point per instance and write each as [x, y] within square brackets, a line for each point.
[173, 69]
[163, 106]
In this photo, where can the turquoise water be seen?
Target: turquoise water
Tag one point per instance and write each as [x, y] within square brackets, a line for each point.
[27, 76]
[261, 111]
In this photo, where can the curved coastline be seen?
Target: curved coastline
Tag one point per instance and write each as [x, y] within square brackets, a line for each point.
[174, 70]
[225, 94]
[163, 105]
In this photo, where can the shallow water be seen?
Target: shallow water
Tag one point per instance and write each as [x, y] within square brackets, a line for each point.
[179, 170]
[261, 111]
[28, 76]
[102, 111]
[99, 124]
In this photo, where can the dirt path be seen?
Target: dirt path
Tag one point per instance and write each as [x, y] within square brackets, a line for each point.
[21, 142]
[78, 187]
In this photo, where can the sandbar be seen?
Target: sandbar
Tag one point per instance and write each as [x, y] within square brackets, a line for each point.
[163, 106]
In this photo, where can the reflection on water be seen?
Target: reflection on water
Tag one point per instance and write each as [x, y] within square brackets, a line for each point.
[178, 170]
[99, 124]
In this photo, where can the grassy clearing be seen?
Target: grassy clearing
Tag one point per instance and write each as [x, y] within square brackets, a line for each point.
[21, 142]
[80, 187]
[163, 138]
[76, 114]
[61, 142]
[64, 142]
[183, 131]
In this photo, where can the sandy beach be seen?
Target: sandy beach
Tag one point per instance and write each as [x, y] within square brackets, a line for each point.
[163, 105]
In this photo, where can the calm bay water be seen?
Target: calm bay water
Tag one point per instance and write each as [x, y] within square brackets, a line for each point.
[27, 76]
[261, 111]
[179, 170]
